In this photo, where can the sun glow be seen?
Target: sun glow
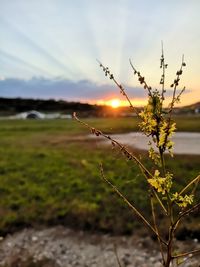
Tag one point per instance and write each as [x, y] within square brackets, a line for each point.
[115, 103]
[118, 103]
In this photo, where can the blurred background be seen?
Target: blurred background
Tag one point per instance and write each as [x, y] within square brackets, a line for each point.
[49, 164]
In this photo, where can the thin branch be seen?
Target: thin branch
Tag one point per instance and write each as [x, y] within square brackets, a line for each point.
[196, 251]
[195, 187]
[175, 85]
[187, 212]
[159, 201]
[124, 150]
[141, 79]
[177, 98]
[197, 179]
[129, 204]
[163, 66]
[116, 255]
[156, 228]
[122, 90]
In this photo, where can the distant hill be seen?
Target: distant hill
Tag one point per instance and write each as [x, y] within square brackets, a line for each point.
[194, 106]
[189, 109]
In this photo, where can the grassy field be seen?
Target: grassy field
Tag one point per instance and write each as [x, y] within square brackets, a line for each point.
[49, 174]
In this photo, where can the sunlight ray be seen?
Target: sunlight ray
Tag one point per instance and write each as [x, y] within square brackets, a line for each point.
[64, 39]
[19, 61]
[39, 50]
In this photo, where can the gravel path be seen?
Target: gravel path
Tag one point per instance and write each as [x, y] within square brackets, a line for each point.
[62, 247]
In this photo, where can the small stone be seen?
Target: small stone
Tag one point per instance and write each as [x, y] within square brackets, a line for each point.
[152, 259]
[34, 238]
[9, 244]
[157, 264]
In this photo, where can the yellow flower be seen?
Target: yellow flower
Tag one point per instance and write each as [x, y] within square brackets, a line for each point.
[157, 173]
[163, 134]
[154, 156]
[158, 184]
[162, 185]
[172, 129]
[181, 201]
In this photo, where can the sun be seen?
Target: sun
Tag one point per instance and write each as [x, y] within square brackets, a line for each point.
[115, 103]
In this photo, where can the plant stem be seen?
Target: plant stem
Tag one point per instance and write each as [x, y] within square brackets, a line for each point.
[156, 228]
[162, 161]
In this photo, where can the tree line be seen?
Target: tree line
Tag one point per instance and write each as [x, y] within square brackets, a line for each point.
[17, 105]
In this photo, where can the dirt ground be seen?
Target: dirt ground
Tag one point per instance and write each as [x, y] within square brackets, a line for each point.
[63, 247]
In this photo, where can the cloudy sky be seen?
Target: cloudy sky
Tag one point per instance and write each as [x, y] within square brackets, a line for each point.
[48, 48]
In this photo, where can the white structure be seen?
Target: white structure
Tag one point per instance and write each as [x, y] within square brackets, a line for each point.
[52, 116]
[66, 116]
[33, 114]
[197, 110]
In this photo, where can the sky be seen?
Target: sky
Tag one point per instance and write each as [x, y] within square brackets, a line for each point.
[48, 48]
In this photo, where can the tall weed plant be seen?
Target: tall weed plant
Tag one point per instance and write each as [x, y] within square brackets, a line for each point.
[157, 123]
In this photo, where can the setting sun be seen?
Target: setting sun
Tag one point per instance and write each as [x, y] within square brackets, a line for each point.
[118, 103]
[115, 103]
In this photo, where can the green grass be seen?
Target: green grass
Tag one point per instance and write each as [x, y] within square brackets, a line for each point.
[70, 127]
[49, 175]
